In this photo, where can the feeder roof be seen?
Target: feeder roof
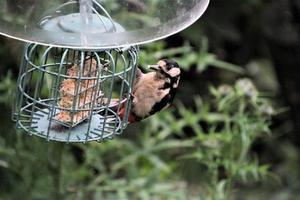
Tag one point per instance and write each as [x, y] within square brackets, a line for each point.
[96, 24]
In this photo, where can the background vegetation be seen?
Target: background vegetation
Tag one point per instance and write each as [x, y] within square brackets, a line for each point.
[233, 132]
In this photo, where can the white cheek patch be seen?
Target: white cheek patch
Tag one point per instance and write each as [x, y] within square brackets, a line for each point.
[174, 72]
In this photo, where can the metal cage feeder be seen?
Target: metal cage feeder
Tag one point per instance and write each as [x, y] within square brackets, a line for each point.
[72, 88]
[71, 95]
[75, 94]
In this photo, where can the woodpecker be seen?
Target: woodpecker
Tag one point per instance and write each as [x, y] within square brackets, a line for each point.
[153, 91]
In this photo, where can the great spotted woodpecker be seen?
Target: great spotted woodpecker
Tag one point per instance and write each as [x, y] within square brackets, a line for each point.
[153, 91]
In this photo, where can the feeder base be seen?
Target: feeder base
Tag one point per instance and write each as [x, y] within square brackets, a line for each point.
[100, 128]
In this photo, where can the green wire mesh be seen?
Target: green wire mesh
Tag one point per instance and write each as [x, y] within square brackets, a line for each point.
[72, 95]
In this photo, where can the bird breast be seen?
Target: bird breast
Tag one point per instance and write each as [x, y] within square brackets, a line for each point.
[147, 93]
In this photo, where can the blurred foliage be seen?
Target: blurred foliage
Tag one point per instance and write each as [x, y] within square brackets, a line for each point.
[187, 56]
[7, 87]
[224, 131]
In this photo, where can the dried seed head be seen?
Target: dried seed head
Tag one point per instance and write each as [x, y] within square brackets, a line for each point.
[246, 87]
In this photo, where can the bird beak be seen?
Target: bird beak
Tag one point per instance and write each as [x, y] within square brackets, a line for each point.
[153, 67]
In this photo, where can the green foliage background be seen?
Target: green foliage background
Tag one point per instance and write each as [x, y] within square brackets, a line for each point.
[219, 140]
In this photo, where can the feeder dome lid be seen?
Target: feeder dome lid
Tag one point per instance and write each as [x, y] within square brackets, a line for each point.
[96, 24]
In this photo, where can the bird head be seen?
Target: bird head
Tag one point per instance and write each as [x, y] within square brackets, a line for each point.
[168, 69]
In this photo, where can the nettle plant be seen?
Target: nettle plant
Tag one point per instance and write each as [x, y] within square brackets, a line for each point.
[224, 128]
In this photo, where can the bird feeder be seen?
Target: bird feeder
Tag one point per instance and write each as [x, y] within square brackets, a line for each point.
[80, 60]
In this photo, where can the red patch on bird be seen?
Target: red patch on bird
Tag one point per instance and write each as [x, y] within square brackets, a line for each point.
[122, 112]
